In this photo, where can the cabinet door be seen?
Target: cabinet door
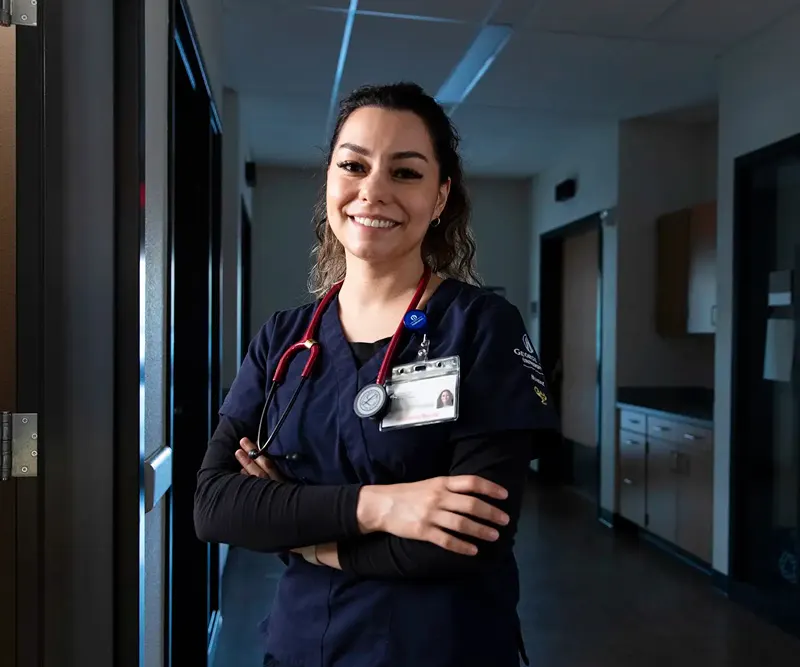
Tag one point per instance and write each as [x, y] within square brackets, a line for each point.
[696, 503]
[672, 272]
[633, 480]
[702, 297]
[662, 488]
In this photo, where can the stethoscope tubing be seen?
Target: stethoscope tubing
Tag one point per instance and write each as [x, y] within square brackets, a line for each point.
[310, 343]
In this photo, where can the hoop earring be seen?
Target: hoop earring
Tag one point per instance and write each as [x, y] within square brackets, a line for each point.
[435, 223]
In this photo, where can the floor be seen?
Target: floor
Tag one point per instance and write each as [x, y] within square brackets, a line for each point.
[590, 598]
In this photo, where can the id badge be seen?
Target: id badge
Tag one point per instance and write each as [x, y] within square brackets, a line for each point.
[423, 392]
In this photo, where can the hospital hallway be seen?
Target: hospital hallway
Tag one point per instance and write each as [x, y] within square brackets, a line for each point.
[590, 597]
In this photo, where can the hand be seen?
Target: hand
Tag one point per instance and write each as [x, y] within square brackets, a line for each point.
[325, 554]
[261, 467]
[424, 510]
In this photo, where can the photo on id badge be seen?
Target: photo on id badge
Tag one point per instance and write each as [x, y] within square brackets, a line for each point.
[423, 393]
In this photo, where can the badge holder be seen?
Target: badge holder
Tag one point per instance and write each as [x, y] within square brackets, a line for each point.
[423, 392]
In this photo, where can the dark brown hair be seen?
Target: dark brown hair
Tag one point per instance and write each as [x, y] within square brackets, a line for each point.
[449, 246]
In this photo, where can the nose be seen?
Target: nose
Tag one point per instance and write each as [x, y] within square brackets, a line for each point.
[375, 188]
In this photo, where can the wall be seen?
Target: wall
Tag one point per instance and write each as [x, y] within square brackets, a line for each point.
[591, 156]
[759, 104]
[235, 153]
[501, 211]
[282, 236]
[663, 167]
[282, 239]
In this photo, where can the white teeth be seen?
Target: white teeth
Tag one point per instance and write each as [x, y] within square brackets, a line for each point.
[374, 222]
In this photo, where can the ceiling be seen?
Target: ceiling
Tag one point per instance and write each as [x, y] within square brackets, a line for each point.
[569, 64]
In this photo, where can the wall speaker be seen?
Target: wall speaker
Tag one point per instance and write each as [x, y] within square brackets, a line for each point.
[566, 189]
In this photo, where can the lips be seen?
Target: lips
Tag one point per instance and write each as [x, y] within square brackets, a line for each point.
[373, 222]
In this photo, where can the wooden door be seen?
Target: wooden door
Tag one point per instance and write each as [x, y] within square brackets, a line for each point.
[702, 296]
[8, 324]
[579, 338]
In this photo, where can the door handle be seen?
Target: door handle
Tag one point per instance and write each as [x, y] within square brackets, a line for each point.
[157, 477]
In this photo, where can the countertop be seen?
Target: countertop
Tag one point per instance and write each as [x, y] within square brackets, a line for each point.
[693, 404]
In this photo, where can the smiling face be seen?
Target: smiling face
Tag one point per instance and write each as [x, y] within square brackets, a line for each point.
[383, 185]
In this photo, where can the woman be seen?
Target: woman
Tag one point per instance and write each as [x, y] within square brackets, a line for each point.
[398, 541]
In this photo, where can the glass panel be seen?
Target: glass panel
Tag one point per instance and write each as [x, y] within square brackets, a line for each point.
[767, 400]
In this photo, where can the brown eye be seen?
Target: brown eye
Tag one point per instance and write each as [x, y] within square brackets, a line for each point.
[353, 167]
[407, 173]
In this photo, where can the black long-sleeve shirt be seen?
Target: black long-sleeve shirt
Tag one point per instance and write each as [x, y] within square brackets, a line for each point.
[271, 516]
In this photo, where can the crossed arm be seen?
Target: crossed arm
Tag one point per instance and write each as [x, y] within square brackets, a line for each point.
[273, 516]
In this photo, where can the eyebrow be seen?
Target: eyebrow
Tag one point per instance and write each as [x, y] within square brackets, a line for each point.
[400, 155]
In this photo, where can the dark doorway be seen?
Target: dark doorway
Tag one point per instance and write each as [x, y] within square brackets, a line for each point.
[570, 338]
[195, 339]
[765, 428]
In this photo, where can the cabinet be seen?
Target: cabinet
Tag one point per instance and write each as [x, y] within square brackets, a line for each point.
[686, 278]
[666, 479]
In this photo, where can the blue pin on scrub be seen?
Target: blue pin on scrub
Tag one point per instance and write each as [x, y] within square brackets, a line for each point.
[417, 321]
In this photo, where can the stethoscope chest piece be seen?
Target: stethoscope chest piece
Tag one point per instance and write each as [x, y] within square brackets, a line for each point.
[371, 401]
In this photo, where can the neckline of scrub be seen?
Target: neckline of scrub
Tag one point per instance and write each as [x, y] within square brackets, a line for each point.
[335, 338]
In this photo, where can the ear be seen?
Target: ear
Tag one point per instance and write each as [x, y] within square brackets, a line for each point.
[441, 199]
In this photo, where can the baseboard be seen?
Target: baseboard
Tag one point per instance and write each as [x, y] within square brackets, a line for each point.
[214, 630]
[720, 581]
[622, 525]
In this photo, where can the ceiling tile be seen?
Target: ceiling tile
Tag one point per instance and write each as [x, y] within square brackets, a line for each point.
[387, 50]
[580, 74]
[718, 22]
[283, 128]
[596, 17]
[473, 11]
[281, 49]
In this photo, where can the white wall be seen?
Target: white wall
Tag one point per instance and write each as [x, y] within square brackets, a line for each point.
[591, 156]
[663, 167]
[501, 211]
[759, 104]
[282, 236]
[282, 239]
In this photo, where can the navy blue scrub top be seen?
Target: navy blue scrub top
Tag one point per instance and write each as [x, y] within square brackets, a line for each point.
[322, 617]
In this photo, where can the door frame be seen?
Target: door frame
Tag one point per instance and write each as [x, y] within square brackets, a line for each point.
[80, 167]
[186, 595]
[551, 262]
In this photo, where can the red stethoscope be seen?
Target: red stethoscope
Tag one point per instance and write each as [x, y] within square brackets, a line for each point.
[370, 402]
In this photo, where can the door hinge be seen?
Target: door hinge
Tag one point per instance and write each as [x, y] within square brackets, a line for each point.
[18, 12]
[19, 445]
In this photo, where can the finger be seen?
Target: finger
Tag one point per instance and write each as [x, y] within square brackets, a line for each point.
[449, 542]
[272, 469]
[250, 466]
[475, 484]
[473, 507]
[465, 526]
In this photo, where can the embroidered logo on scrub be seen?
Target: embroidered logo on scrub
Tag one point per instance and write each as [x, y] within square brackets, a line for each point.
[531, 362]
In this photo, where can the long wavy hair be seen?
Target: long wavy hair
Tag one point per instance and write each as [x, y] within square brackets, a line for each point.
[449, 246]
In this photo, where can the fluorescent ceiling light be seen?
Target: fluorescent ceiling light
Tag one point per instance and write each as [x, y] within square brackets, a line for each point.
[348, 31]
[476, 61]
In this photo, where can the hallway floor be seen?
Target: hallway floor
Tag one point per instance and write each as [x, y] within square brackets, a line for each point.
[590, 598]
